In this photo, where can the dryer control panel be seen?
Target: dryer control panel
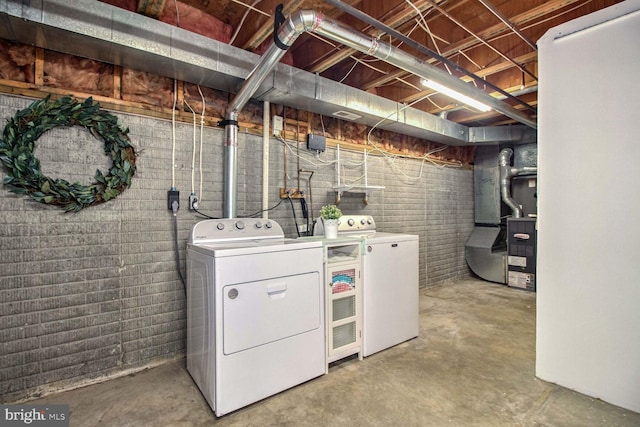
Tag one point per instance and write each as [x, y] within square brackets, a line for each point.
[235, 229]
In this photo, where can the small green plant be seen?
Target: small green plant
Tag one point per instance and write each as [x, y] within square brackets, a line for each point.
[330, 212]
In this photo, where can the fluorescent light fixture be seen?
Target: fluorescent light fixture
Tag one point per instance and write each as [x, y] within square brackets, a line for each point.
[456, 95]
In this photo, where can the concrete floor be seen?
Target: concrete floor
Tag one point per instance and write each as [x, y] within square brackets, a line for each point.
[473, 364]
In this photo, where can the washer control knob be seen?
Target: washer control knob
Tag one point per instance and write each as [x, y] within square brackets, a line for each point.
[240, 225]
[220, 226]
[268, 225]
[362, 221]
[258, 225]
[351, 222]
[369, 221]
[233, 293]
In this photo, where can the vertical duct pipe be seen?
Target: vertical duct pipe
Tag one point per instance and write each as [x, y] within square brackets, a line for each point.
[288, 33]
[506, 173]
[311, 21]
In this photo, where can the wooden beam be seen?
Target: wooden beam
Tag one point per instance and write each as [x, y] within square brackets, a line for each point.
[491, 32]
[39, 71]
[505, 65]
[117, 82]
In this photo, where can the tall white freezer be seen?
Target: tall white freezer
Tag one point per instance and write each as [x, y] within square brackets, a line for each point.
[588, 289]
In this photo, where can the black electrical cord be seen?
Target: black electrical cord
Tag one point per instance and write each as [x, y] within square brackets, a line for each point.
[264, 210]
[295, 220]
[305, 213]
[204, 215]
[174, 209]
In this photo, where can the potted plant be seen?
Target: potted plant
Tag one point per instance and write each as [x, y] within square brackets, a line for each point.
[330, 215]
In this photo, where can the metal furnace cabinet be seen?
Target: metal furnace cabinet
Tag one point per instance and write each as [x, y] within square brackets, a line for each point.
[521, 250]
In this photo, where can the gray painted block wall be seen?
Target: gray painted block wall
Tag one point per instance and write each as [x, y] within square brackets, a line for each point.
[89, 295]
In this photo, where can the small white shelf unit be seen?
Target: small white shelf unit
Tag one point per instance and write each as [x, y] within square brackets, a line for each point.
[343, 266]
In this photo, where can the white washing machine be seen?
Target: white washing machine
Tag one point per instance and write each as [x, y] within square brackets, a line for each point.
[390, 283]
[255, 311]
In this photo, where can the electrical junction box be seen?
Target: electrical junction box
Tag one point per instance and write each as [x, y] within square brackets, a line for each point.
[277, 125]
[316, 142]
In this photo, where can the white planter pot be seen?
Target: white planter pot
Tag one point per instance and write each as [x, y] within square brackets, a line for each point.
[330, 228]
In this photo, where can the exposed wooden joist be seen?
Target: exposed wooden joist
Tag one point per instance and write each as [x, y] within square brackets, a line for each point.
[39, 67]
[505, 65]
[489, 33]
[394, 20]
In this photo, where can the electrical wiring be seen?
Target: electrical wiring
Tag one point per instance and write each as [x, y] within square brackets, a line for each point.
[388, 156]
[264, 210]
[173, 134]
[428, 98]
[204, 215]
[175, 2]
[355, 62]
[246, 13]
[427, 30]
[321, 162]
[193, 156]
[391, 158]
[204, 105]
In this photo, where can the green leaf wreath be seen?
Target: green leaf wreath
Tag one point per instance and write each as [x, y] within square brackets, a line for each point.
[25, 177]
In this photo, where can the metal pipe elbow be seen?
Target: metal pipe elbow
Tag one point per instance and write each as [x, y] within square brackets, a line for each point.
[299, 22]
[506, 173]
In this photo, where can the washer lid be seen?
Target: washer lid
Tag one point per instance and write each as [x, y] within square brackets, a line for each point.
[383, 237]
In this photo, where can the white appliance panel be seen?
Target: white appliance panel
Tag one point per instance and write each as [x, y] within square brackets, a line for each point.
[588, 293]
[290, 304]
[201, 343]
[249, 376]
[390, 291]
[269, 362]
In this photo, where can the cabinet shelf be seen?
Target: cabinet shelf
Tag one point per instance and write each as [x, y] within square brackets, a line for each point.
[343, 299]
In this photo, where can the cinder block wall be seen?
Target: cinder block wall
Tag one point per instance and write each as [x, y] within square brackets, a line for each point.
[93, 294]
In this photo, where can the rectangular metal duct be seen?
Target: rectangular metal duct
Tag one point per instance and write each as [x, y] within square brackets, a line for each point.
[99, 31]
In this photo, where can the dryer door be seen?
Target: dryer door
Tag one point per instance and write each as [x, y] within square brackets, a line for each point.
[258, 313]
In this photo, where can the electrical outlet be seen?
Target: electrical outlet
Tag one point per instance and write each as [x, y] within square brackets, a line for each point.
[173, 195]
[193, 202]
[302, 228]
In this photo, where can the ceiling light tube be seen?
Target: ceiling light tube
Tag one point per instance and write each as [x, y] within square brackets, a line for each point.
[456, 95]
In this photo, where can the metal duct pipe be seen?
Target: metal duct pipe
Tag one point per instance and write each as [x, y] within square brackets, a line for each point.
[311, 21]
[506, 173]
[289, 31]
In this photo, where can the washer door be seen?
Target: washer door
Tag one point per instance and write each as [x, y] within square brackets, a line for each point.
[265, 311]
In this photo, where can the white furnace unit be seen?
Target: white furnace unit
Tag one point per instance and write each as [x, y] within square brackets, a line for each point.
[255, 311]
